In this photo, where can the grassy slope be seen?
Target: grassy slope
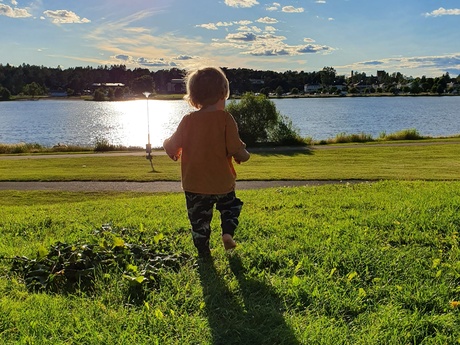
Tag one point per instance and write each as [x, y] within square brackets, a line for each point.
[361, 264]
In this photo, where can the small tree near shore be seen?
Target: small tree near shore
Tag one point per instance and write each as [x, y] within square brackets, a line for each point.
[260, 122]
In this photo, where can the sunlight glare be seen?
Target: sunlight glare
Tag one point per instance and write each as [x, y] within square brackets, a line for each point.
[133, 121]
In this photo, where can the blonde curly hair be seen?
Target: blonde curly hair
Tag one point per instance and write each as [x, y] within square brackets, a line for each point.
[206, 86]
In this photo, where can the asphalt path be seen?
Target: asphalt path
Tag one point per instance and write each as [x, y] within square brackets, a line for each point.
[147, 187]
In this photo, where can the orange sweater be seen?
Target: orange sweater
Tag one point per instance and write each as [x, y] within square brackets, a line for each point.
[206, 141]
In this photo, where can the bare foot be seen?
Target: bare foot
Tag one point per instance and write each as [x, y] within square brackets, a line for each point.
[228, 241]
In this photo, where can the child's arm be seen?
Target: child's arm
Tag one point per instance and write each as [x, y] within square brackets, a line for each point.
[173, 152]
[241, 156]
[173, 145]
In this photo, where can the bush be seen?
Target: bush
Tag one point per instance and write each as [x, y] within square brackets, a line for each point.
[260, 122]
[20, 148]
[406, 134]
[353, 138]
[103, 144]
[285, 134]
[99, 95]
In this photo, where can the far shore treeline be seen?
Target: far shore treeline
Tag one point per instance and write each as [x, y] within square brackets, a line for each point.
[119, 82]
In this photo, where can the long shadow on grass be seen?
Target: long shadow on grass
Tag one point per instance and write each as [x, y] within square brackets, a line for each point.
[250, 316]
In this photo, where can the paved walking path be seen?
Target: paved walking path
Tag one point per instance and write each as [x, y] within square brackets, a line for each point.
[168, 186]
[148, 187]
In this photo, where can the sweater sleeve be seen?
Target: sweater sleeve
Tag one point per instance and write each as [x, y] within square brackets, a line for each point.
[173, 145]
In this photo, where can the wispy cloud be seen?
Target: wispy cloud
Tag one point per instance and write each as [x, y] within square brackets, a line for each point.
[443, 12]
[435, 64]
[8, 11]
[241, 3]
[125, 42]
[65, 17]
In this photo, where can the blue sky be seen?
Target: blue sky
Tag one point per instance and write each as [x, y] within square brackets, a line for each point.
[414, 37]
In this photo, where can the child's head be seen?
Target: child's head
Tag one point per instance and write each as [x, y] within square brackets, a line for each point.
[206, 86]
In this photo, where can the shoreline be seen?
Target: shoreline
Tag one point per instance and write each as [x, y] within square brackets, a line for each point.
[176, 97]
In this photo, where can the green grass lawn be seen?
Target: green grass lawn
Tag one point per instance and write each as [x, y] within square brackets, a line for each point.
[370, 263]
[372, 162]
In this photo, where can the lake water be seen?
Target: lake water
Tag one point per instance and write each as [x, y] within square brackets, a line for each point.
[128, 123]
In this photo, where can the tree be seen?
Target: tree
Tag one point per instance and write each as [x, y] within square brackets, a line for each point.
[259, 121]
[5, 94]
[327, 76]
[279, 91]
[265, 91]
[142, 84]
[255, 116]
[415, 87]
[32, 89]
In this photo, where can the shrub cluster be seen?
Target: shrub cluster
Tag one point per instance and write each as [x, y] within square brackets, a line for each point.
[260, 122]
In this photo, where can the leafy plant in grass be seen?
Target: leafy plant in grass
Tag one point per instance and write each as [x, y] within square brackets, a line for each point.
[66, 268]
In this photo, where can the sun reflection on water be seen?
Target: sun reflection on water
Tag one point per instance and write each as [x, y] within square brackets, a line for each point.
[128, 122]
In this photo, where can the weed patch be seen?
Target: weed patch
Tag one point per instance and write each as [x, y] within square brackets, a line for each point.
[67, 268]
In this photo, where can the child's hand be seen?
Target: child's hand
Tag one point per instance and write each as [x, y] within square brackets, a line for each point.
[176, 156]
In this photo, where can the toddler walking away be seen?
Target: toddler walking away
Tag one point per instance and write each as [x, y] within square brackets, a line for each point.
[206, 140]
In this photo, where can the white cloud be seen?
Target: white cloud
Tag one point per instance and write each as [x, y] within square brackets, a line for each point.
[320, 1]
[249, 28]
[242, 36]
[8, 11]
[65, 17]
[241, 3]
[209, 26]
[313, 48]
[244, 22]
[155, 62]
[267, 44]
[443, 12]
[215, 26]
[183, 57]
[267, 20]
[273, 7]
[224, 24]
[308, 40]
[292, 9]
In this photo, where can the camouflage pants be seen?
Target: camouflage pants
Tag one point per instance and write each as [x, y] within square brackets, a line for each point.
[200, 210]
